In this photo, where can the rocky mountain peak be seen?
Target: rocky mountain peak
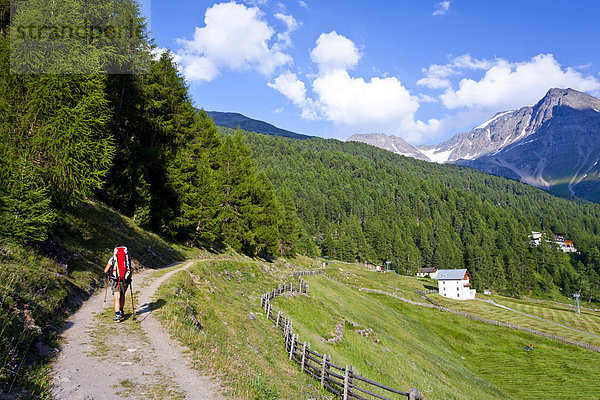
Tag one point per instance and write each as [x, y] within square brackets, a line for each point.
[391, 143]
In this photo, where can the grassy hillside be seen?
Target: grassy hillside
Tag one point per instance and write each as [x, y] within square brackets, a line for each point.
[444, 355]
[214, 309]
[40, 285]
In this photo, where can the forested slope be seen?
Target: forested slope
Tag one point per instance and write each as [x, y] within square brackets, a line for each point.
[358, 202]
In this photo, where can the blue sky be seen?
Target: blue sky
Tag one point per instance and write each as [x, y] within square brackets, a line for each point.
[423, 70]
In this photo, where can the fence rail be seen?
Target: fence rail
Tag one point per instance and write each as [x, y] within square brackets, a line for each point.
[341, 381]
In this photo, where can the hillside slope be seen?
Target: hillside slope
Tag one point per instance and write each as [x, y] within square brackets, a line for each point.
[385, 339]
[41, 285]
[235, 120]
[358, 202]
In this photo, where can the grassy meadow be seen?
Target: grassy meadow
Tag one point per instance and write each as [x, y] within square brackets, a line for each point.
[444, 355]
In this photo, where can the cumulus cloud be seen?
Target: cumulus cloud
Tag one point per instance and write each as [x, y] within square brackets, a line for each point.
[438, 76]
[354, 104]
[294, 89]
[508, 85]
[441, 8]
[234, 37]
[334, 52]
[284, 38]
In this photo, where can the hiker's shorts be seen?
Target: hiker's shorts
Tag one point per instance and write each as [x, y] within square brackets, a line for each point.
[119, 286]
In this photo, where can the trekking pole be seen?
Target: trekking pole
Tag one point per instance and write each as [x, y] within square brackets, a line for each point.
[105, 293]
[132, 307]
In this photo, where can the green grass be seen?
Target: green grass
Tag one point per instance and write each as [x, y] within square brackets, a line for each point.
[584, 327]
[39, 286]
[247, 355]
[445, 356]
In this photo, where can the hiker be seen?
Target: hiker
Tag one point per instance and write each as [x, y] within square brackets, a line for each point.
[529, 348]
[118, 273]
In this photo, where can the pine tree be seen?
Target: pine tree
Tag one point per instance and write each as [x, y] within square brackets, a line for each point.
[193, 179]
[289, 224]
[25, 209]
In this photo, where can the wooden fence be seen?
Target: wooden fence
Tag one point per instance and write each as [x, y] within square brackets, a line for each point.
[342, 381]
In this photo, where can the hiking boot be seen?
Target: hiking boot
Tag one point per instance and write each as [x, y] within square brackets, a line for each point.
[118, 316]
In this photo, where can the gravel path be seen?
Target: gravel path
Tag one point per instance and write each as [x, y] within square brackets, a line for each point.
[101, 359]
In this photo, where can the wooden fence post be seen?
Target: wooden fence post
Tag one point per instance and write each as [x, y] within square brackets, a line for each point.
[303, 357]
[306, 287]
[347, 375]
[292, 346]
[286, 334]
[413, 394]
[278, 318]
[323, 365]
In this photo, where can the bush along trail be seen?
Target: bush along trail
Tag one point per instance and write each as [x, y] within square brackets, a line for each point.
[136, 358]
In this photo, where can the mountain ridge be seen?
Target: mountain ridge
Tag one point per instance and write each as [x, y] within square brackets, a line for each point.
[233, 120]
[553, 145]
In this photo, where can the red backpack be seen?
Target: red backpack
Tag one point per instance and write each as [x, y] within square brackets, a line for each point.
[121, 265]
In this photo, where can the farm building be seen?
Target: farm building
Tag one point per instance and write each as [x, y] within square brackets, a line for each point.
[432, 272]
[455, 284]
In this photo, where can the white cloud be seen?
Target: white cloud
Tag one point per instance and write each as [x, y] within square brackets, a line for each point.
[284, 38]
[441, 8]
[256, 3]
[303, 4]
[334, 52]
[234, 37]
[438, 76]
[294, 89]
[354, 101]
[380, 104]
[507, 85]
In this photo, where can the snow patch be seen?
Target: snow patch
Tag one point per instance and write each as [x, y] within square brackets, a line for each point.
[437, 157]
[492, 120]
[522, 143]
[401, 153]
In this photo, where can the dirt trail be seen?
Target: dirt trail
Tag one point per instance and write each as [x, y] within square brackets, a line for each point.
[101, 359]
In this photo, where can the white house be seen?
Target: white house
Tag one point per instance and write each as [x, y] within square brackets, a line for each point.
[454, 284]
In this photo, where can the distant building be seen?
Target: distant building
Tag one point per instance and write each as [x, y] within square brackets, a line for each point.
[564, 244]
[422, 272]
[455, 284]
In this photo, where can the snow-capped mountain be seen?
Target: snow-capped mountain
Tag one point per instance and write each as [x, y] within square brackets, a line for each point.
[391, 143]
[560, 150]
[554, 145]
[507, 127]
